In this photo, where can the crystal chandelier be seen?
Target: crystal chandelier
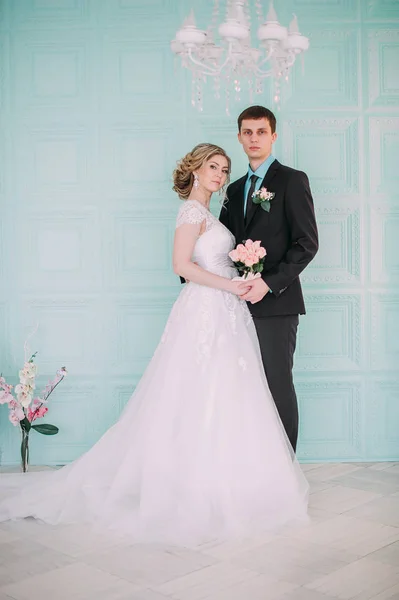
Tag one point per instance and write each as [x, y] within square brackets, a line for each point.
[233, 61]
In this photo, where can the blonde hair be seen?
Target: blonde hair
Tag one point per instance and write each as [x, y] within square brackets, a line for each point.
[183, 177]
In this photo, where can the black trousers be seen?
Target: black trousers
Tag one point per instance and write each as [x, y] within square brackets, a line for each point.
[277, 340]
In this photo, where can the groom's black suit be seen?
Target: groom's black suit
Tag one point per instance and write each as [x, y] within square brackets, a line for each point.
[289, 234]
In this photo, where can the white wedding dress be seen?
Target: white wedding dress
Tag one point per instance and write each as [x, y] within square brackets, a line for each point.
[199, 451]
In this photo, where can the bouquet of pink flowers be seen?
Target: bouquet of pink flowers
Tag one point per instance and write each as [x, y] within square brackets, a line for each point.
[248, 258]
[24, 408]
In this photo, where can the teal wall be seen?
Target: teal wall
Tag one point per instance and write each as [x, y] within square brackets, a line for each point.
[94, 114]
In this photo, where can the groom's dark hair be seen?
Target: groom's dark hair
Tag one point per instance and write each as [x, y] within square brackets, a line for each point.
[257, 112]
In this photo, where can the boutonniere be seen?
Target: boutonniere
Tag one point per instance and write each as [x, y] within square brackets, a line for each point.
[263, 197]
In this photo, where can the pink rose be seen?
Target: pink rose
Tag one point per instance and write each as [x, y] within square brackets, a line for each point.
[250, 261]
[261, 253]
[234, 255]
[265, 194]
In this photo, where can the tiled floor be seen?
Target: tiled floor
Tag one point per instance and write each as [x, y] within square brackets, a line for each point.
[350, 551]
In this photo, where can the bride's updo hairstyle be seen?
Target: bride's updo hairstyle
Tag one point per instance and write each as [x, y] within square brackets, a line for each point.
[183, 177]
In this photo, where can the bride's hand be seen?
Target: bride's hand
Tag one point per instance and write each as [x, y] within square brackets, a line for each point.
[238, 288]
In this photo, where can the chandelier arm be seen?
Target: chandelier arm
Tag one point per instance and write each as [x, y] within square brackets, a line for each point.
[262, 74]
[207, 69]
[228, 58]
[291, 59]
[267, 57]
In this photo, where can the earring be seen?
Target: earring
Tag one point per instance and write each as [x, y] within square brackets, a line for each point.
[196, 181]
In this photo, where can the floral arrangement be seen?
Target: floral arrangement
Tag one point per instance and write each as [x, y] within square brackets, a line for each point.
[24, 408]
[263, 197]
[248, 258]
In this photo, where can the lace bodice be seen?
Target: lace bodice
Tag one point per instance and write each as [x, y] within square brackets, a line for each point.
[212, 248]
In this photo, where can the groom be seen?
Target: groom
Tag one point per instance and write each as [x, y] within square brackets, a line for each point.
[288, 232]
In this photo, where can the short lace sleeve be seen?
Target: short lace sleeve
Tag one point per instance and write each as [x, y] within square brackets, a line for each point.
[190, 212]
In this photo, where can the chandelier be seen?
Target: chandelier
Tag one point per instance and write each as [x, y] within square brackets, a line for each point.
[232, 62]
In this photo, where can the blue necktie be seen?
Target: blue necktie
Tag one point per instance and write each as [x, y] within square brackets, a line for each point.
[250, 205]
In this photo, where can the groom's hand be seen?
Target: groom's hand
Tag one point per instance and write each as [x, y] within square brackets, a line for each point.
[258, 290]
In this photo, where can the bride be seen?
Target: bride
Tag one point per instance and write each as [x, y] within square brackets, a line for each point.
[199, 450]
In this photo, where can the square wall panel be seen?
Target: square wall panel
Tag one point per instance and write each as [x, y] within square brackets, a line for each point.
[327, 150]
[52, 71]
[382, 418]
[384, 142]
[136, 160]
[59, 249]
[135, 11]
[140, 250]
[329, 335]
[327, 10]
[330, 419]
[135, 330]
[49, 13]
[338, 259]
[380, 10]
[54, 160]
[69, 332]
[75, 436]
[382, 75]
[333, 86]
[384, 341]
[384, 255]
[135, 70]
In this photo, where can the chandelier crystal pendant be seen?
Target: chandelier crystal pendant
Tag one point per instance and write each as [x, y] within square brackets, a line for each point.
[233, 61]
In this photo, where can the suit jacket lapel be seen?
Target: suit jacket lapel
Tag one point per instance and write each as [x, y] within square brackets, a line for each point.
[272, 170]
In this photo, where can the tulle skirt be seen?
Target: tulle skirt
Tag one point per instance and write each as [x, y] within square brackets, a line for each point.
[199, 451]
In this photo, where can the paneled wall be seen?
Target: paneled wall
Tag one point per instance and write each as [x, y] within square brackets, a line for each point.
[94, 115]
